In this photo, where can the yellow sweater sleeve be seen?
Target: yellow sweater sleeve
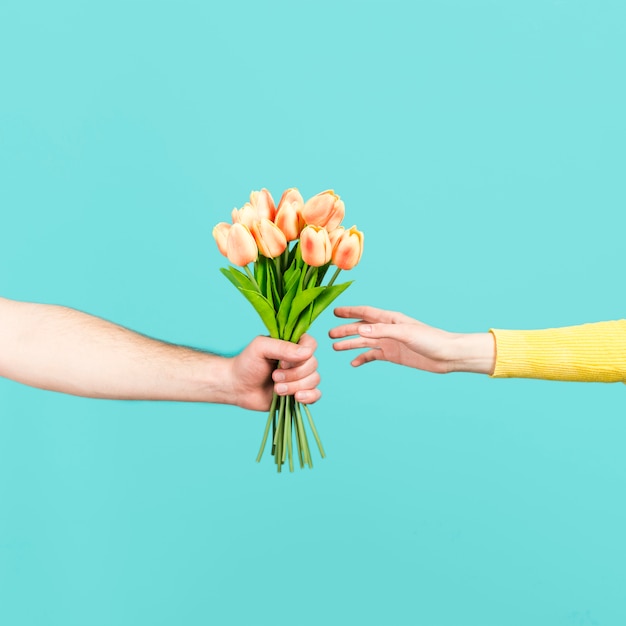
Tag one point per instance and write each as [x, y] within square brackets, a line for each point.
[587, 353]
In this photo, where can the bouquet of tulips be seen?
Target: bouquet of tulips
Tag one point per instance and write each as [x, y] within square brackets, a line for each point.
[291, 246]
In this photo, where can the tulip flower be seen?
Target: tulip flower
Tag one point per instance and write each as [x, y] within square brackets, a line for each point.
[348, 249]
[220, 234]
[315, 246]
[269, 238]
[325, 209]
[241, 248]
[289, 214]
[293, 196]
[263, 202]
[246, 215]
[334, 235]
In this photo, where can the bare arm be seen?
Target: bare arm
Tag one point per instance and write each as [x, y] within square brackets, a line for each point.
[60, 349]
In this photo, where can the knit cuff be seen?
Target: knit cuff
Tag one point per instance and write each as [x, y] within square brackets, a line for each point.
[586, 353]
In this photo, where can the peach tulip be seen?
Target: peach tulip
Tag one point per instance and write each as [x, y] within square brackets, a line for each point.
[325, 209]
[241, 248]
[220, 233]
[263, 202]
[315, 246]
[289, 214]
[293, 196]
[246, 215]
[348, 249]
[335, 235]
[269, 238]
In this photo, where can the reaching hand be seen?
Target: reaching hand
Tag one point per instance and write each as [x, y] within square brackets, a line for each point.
[397, 338]
[256, 376]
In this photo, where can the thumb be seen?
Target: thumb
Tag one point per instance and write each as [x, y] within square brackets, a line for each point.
[279, 350]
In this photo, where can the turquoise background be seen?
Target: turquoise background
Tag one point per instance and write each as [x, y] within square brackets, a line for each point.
[481, 147]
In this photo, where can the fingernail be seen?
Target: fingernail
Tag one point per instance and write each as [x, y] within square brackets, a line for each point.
[302, 350]
[365, 328]
[303, 395]
[282, 388]
[278, 376]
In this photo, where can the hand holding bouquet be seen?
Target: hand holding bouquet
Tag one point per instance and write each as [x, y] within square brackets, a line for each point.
[291, 247]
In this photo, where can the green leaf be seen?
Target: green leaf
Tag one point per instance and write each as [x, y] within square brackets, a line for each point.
[261, 304]
[264, 309]
[267, 286]
[320, 303]
[285, 306]
[260, 268]
[272, 283]
[300, 302]
[330, 293]
[290, 273]
[237, 278]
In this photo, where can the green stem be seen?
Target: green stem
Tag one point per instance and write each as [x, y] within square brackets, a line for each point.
[279, 280]
[332, 280]
[307, 276]
[284, 260]
[270, 419]
[306, 452]
[289, 434]
[298, 425]
[278, 437]
[252, 278]
[312, 425]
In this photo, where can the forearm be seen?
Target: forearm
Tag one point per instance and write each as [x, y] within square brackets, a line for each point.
[64, 350]
[473, 352]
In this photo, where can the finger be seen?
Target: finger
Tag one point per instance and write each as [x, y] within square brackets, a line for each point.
[345, 330]
[307, 383]
[366, 357]
[295, 373]
[370, 314]
[355, 343]
[400, 332]
[279, 350]
[357, 312]
[308, 396]
[306, 341]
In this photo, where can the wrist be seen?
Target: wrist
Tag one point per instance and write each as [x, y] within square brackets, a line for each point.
[473, 352]
[216, 380]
